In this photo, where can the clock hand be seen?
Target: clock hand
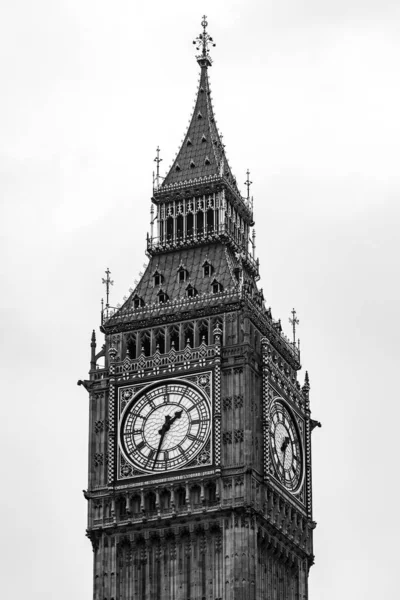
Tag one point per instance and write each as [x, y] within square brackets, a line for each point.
[166, 427]
[162, 433]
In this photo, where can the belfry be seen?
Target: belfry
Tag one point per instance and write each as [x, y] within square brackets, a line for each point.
[200, 432]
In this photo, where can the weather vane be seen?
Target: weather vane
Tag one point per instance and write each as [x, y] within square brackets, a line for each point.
[294, 321]
[248, 183]
[203, 41]
[107, 282]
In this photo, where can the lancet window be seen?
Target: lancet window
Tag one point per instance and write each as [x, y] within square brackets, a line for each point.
[131, 346]
[159, 338]
[203, 332]
[188, 332]
[174, 337]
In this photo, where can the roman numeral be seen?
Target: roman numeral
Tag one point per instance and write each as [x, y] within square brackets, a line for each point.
[140, 446]
[192, 437]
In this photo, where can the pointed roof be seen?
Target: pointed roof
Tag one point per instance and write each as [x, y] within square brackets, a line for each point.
[202, 153]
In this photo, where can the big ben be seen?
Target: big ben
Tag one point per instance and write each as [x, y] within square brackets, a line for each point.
[200, 431]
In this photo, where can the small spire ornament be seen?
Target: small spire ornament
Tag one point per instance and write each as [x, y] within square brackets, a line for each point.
[248, 183]
[294, 321]
[107, 282]
[158, 160]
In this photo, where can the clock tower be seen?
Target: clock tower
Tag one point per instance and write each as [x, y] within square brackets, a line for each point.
[200, 432]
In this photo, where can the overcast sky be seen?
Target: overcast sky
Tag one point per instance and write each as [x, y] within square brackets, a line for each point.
[307, 95]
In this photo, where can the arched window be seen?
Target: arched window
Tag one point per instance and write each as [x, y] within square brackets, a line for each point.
[121, 508]
[180, 497]
[135, 504]
[203, 332]
[189, 222]
[210, 492]
[170, 229]
[195, 495]
[200, 223]
[150, 502]
[174, 337]
[210, 220]
[145, 342]
[165, 500]
[131, 346]
[188, 334]
[160, 340]
[179, 227]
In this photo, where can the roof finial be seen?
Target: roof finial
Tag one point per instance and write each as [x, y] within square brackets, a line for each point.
[294, 321]
[158, 160]
[202, 43]
[248, 183]
[107, 282]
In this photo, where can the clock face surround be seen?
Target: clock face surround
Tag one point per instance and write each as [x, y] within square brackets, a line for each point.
[286, 447]
[165, 426]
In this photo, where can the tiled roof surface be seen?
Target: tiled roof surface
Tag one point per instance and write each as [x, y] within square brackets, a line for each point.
[202, 153]
[192, 260]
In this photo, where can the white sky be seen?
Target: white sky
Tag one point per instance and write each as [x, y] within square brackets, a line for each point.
[307, 95]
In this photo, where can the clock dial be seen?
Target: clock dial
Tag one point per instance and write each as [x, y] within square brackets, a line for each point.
[286, 449]
[165, 426]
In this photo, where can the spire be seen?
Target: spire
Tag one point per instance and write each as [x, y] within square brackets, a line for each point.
[202, 153]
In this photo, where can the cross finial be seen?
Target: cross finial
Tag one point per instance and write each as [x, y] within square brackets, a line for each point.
[294, 321]
[107, 282]
[248, 183]
[158, 160]
[202, 43]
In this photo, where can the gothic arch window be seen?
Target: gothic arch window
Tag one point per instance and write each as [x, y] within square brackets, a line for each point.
[195, 495]
[160, 340]
[191, 291]
[200, 223]
[210, 492]
[180, 497]
[170, 228]
[203, 332]
[207, 269]
[145, 342]
[174, 337]
[165, 500]
[216, 287]
[131, 345]
[150, 502]
[189, 224]
[188, 332]
[179, 227]
[121, 508]
[210, 220]
[158, 278]
[162, 296]
[135, 504]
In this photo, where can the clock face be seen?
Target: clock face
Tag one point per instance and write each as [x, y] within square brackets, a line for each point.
[286, 448]
[165, 426]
